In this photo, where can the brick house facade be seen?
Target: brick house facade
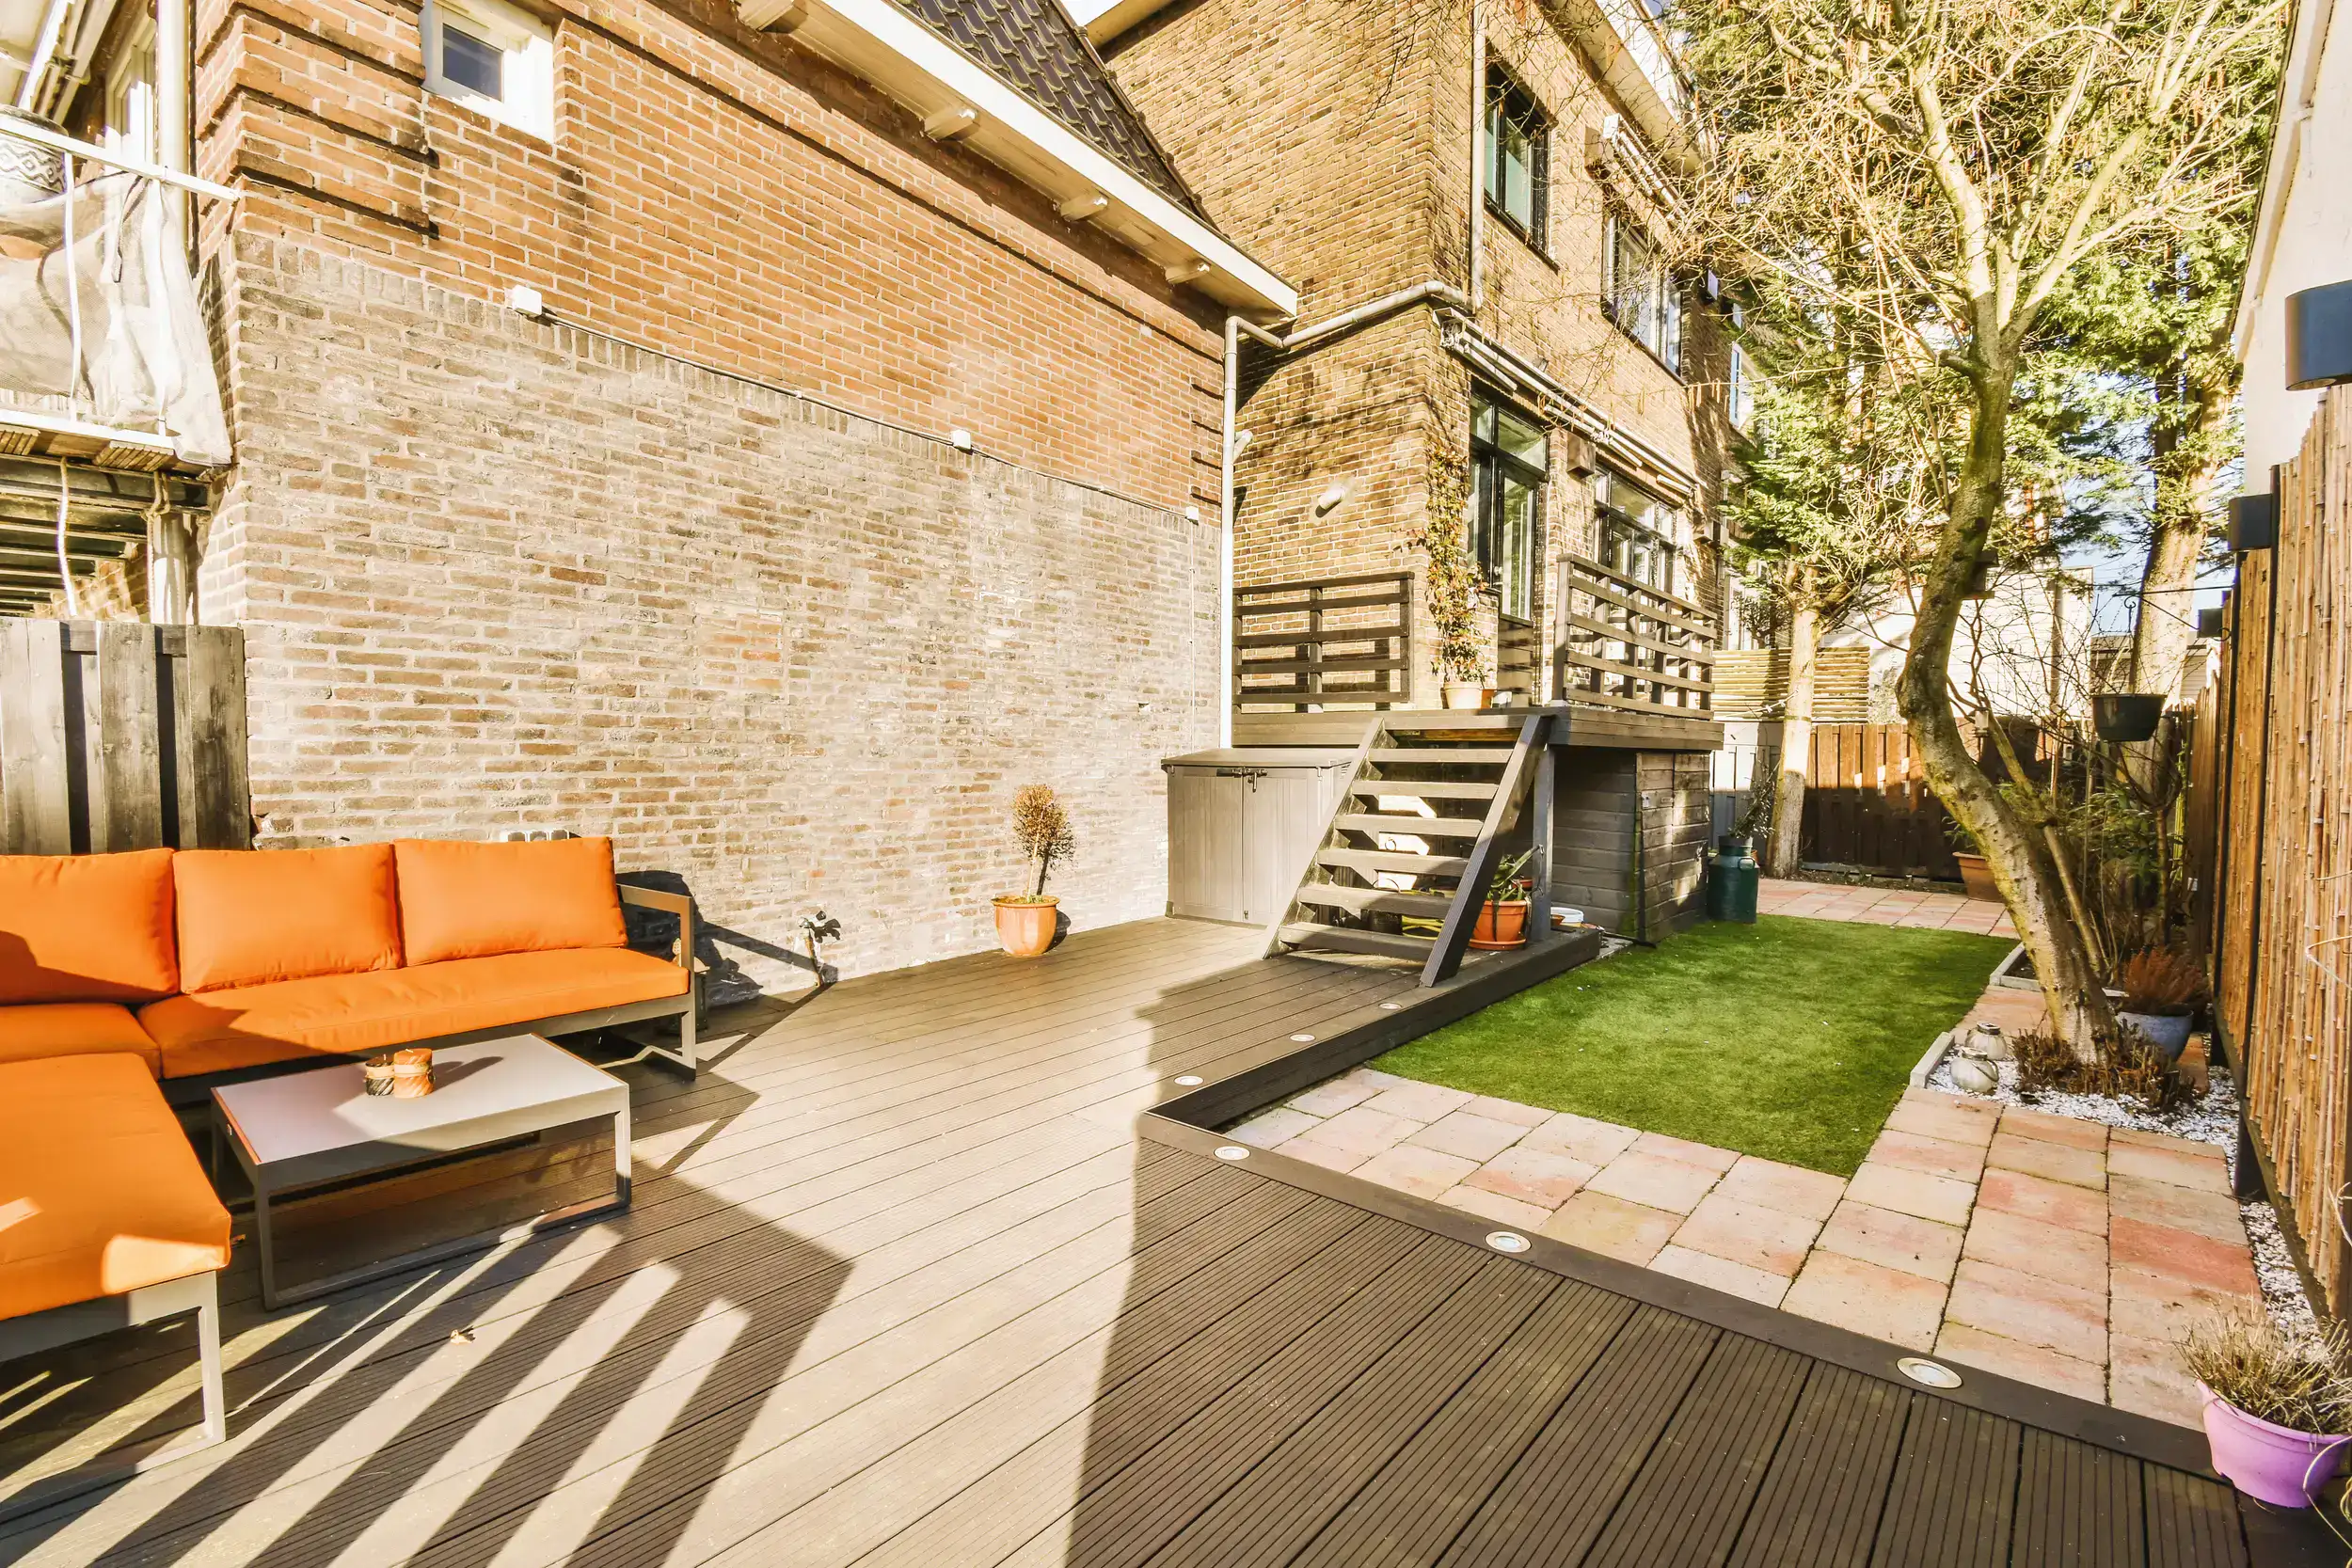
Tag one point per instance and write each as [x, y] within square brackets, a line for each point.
[1340, 141]
[830, 483]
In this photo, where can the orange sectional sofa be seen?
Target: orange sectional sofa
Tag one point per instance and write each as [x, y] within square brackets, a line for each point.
[210, 962]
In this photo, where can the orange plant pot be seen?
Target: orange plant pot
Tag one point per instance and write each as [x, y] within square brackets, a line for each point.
[1025, 926]
[1500, 925]
[1975, 876]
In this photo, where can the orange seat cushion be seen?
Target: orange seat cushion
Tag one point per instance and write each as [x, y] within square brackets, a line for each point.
[86, 927]
[100, 1193]
[468, 901]
[345, 1013]
[37, 1030]
[250, 916]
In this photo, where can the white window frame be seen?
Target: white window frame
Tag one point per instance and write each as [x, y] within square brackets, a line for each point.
[131, 95]
[529, 76]
[1654, 301]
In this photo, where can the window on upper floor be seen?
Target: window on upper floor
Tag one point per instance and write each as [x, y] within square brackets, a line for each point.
[1518, 157]
[1739, 389]
[1510, 456]
[1639, 290]
[496, 59]
[1636, 530]
[131, 95]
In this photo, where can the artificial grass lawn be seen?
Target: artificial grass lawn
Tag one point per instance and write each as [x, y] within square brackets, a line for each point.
[1789, 1038]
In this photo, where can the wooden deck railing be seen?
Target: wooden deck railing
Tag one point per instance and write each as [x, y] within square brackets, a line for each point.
[1518, 655]
[1625, 645]
[1337, 642]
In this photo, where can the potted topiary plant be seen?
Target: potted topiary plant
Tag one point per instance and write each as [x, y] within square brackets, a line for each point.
[1025, 923]
[2161, 990]
[1503, 919]
[2275, 1411]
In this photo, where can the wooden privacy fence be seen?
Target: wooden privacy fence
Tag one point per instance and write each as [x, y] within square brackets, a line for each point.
[1867, 804]
[2275, 807]
[121, 736]
[1337, 640]
[1625, 645]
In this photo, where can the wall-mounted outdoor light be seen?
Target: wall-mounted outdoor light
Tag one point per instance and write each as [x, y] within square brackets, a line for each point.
[2319, 337]
[2209, 622]
[2253, 522]
[1330, 499]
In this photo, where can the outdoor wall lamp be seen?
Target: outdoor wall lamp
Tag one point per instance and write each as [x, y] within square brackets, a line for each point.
[2209, 622]
[2319, 337]
[1330, 499]
[2253, 522]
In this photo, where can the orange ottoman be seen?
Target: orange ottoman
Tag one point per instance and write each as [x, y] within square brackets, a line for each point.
[106, 1220]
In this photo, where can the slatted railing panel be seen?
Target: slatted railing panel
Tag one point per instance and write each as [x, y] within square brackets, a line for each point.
[1625, 645]
[1324, 641]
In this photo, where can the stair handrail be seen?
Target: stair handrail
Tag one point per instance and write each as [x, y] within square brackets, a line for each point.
[1469, 893]
[1375, 723]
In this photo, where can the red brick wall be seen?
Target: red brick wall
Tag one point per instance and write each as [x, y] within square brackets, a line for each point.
[718, 194]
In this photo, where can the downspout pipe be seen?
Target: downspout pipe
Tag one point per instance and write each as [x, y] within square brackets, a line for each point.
[1387, 305]
[173, 143]
[1226, 627]
[1478, 158]
[44, 50]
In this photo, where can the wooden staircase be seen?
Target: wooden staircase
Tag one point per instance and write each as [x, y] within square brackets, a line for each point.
[1403, 869]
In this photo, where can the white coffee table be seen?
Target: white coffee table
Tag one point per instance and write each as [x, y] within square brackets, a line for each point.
[308, 1129]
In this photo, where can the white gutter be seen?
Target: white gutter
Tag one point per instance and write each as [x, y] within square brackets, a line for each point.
[1444, 294]
[44, 50]
[1225, 544]
[882, 44]
[1478, 155]
[172, 120]
[1508, 365]
[2299, 95]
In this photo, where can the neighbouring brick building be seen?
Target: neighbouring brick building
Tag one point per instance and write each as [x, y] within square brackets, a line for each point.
[769, 436]
[1478, 204]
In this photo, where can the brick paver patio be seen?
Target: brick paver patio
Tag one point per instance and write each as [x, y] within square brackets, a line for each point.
[1874, 906]
[2047, 1249]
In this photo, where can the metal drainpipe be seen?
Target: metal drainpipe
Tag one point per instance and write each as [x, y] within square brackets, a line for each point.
[1225, 543]
[173, 148]
[44, 50]
[1478, 157]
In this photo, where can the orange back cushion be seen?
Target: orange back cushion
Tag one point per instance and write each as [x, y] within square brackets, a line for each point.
[249, 916]
[470, 900]
[86, 927]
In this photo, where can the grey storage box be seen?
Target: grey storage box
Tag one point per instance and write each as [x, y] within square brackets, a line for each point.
[1241, 824]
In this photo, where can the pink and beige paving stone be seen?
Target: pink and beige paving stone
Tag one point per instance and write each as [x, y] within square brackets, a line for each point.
[2004, 1239]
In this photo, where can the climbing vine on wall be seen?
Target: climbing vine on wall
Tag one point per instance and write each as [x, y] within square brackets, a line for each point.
[1452, 579]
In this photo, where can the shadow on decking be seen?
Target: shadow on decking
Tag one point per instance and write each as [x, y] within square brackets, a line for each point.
[427, 1417]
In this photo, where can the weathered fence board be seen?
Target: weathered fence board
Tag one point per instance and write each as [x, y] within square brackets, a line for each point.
[1867, 804]
[121, 736]
[2276, 812]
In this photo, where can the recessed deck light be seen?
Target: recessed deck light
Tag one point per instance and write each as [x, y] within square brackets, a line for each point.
[1508, 1241]
[1188, 1080]
[1233, 1151]
[1391, 1007]
[1304, 1040]
[1931, 1374]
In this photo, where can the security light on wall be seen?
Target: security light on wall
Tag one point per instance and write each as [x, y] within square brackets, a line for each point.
[2253, 522]
[1330, 499]
[960, 440]
[2319, 337]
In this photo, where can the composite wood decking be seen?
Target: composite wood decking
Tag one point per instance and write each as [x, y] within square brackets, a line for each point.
[903, 1284]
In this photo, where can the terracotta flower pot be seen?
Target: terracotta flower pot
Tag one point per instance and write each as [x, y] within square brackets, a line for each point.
[1976, 875]
[1465, 694]
[1026, 926]
[1500, 925]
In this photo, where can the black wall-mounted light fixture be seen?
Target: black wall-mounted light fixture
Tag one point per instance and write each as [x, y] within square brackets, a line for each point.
[2319, 337]
[2253, 522]
[2209, 622]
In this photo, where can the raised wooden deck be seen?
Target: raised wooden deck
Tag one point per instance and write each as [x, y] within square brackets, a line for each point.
[903, 1285]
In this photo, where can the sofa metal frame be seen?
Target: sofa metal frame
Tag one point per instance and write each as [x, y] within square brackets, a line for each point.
[37, 1332]
[197, 1089]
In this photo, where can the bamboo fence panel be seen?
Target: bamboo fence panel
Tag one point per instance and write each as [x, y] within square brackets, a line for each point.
[2282, 969]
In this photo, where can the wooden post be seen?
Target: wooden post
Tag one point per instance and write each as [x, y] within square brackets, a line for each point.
[36, 789]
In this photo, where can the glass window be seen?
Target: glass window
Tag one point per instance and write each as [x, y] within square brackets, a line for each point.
[1636, 531]
[471, 62]
[1510, 455]
[495, 58]
[1518, 152]
[1642, 295]
[1738, 395]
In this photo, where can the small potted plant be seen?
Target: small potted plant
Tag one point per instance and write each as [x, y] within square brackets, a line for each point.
[2276, 1412]
[1975, 872]
[2161, 990]
[1026, 922]
[2127, 717]
[1503, 919]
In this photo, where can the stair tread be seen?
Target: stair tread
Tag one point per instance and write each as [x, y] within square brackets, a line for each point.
[1405, 860]
[1377, 900]
[1424, 827]
[1341, 939]
[1429, 789]
[1486, 756]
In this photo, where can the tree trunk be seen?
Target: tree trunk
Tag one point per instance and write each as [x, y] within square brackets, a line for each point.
[1796, 740]
[2020, 862]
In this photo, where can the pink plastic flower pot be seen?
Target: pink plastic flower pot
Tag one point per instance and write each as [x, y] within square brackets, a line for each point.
[2267, 1462]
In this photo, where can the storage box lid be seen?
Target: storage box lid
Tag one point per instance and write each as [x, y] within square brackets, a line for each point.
[1265, 757]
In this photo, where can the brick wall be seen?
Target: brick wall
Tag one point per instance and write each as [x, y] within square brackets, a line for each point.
[497, 574]
[721, 194]
[1335, 141]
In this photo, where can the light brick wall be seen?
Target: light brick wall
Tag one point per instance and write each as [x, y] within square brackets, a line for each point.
[502, 574]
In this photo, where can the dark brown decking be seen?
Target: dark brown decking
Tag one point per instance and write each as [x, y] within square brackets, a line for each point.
[902, 1286]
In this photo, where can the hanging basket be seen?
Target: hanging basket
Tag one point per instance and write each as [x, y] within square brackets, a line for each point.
[2126, 716]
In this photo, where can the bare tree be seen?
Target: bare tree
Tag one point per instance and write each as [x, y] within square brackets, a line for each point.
[1946, 169]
